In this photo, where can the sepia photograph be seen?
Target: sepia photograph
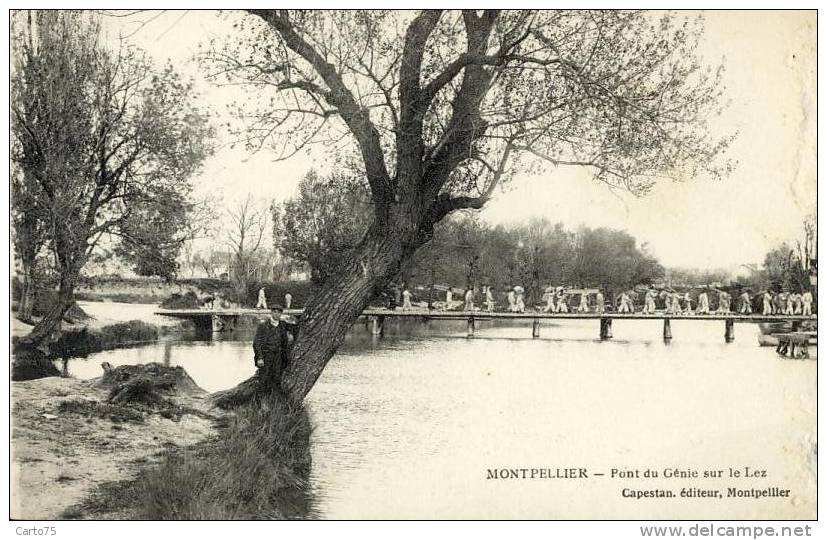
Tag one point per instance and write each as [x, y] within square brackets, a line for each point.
[414, 264]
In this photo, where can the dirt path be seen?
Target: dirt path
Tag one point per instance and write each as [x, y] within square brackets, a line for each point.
[58, 457]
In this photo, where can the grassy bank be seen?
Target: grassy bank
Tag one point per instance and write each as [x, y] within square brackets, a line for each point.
[84, 341]
[257, 467]
[70, 436]
[79, 342]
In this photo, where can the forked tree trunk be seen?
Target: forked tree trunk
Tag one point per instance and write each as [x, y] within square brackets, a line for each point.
[30, 361]
[47, 326]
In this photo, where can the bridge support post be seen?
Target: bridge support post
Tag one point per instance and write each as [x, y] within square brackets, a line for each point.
[220, 324]
[667, 330]
[377, 326]
[796, 326]
[729, 330]
[605, 328]
[535, 328]
[471, 326]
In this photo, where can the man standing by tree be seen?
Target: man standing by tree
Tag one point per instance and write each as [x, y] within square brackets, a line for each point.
[271, 348]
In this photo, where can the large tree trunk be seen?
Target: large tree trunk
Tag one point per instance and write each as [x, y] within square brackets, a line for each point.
[50, 324]
[339, 303]
[26, 305]
[334, 308]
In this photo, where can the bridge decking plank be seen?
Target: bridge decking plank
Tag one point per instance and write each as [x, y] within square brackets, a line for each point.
[462, 315]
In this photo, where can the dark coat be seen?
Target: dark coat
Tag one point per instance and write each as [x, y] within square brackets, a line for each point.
[272, 345]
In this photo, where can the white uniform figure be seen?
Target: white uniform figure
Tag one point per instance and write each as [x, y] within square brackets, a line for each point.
[624, 304]
[796, 304]
[584, 304]
[788, 304]
[703, 304]
[551, 305]
[767, 303]
[512, 301]
[687, 304]
[469, 300]
[520, 303]
[649, 302]
[288, 299]
[601, 303]
[807, 303]
[262, 299]
[449, 298]
[723, 302]
[562, 303]
[489, 299]
[406, 299]
[746, 307]
[676, 303]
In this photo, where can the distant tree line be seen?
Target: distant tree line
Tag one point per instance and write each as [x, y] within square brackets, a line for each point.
[320, 226]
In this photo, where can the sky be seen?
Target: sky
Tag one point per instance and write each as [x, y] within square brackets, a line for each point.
[770, 60]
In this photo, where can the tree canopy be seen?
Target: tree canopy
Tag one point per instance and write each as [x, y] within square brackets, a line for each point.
[101, 136]
[323, 223]
[462, 99]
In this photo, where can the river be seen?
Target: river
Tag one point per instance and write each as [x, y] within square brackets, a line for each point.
[414, 424]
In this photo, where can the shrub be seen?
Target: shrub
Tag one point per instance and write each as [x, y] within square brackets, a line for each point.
[188, 300]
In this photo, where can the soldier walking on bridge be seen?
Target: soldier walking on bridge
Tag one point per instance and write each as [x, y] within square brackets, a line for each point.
[406, 299]
[676, 302]
[624, 303]
[703, 303]
[520, 302]
[723, 301]
[807, 303]
[469, 299]
[687, 303]
[562, 302]
[649, 301]
[766, 301]
[551, 306]
[584, 303]
[797, 304]
[788, 303]
[489, 299]
[600, 301]
[512, 301]
[262, 299]
[746, 306]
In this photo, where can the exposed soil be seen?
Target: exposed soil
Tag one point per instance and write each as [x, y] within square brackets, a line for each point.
[67, 438]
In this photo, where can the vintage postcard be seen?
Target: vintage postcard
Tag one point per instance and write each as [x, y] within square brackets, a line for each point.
[413, 264]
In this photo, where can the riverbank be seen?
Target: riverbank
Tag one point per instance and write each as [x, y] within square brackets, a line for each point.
[65, 442]
[108, 326]
[145, 442]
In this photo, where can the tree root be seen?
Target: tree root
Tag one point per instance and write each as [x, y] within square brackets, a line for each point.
[243, 394]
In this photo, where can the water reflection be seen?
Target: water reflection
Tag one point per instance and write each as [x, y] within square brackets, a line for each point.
[407, 425]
